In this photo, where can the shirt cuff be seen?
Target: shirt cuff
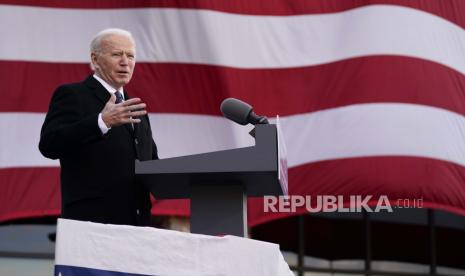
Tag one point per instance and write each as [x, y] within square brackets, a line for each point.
[101, 124]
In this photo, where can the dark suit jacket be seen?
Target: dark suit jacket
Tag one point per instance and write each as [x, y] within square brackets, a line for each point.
[98, 182]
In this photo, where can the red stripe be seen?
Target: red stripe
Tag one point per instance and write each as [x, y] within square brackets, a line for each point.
[35, 192]
[199, 89]
[29, 192]
[438, 183]
[451, 10]
[257, 218]
[29, 85]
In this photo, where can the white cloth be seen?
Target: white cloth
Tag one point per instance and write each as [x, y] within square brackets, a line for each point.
[151, 251]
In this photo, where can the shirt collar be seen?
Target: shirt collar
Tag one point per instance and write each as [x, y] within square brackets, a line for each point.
[108, 87]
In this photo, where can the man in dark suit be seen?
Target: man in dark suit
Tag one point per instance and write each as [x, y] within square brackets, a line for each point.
[97, 132]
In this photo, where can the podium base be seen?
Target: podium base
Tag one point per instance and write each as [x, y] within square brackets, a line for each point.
[219, 209]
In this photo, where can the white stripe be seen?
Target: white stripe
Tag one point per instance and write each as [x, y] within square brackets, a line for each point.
[242, 41]
[384, 129]
[174, 134]
[352, 131]
[20, 139]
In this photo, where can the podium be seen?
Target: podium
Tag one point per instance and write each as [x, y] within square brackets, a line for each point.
[218, 183]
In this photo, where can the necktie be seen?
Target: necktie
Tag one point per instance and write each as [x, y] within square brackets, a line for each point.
[119, 97]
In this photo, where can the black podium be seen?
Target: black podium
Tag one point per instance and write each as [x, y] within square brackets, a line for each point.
[218, 183]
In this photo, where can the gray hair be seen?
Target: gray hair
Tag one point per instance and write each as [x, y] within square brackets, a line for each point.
[96, 43]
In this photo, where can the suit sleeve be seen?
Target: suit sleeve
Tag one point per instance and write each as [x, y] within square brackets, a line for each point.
[154, 151]
[154, 146]
[65, 128]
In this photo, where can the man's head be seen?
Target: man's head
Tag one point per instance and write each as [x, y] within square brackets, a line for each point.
[113, 56]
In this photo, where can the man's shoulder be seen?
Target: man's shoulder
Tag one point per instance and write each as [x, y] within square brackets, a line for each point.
[77, 85]
[71, 90]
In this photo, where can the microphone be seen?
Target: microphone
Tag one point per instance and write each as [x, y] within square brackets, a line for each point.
[241, 112]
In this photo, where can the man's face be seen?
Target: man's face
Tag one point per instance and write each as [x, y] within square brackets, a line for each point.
[115, 63]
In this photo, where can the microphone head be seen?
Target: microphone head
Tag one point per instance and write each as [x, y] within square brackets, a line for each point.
[236, 110]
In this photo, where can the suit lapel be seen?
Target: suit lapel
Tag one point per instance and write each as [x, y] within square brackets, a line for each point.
[129, 127]
[135, 127]
[99, 91]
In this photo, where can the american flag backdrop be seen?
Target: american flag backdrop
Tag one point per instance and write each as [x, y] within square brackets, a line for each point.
[371, 94]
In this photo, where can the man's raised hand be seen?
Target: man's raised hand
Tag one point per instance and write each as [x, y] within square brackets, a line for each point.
[123, 113]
